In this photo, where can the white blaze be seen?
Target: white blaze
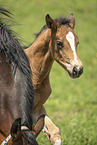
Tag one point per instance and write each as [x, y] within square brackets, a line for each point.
[71, 39]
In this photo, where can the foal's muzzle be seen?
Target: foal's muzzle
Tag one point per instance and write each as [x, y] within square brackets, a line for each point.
[77, 71]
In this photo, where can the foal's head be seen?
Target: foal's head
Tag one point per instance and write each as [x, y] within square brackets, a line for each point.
[64, 43]
[21, 135]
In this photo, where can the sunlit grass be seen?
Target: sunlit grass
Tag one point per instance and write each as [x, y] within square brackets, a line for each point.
[72, 105]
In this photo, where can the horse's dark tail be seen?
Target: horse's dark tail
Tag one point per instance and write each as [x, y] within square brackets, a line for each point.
[30, 138]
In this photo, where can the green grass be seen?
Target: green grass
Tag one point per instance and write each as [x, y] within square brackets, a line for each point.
[72, 105]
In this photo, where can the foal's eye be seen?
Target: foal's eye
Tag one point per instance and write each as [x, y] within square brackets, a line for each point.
[59, 44]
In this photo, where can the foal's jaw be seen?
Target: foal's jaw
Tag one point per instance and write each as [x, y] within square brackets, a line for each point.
[74, 71]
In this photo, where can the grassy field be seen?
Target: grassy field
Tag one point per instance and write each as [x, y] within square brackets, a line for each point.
[72, 105]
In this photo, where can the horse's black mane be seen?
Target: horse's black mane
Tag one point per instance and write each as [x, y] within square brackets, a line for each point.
[61, 20]
[4, 12]
[9, 44]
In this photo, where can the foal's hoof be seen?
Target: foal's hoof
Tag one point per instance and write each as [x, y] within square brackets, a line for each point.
[57, 142]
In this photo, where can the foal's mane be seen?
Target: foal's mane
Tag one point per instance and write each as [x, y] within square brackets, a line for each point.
[15, 55]
[61, 20]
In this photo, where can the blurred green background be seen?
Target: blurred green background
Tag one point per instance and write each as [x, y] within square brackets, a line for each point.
[72, 105]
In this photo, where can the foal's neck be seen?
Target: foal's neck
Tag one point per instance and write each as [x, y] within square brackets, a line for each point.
[40, 57]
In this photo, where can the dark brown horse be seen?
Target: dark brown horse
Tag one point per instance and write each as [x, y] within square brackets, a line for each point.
[16, 90]
[56, 41]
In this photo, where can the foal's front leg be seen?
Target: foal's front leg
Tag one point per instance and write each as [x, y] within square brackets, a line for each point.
[51, 131]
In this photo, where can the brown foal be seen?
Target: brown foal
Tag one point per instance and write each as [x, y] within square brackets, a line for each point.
[56, 41]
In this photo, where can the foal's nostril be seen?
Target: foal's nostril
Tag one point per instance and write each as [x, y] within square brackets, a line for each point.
[81, 71]
[74, 71]
[77, 71]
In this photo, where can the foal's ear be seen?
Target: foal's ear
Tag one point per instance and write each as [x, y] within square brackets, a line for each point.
[50, 22]
[16, 126]
[71, 21]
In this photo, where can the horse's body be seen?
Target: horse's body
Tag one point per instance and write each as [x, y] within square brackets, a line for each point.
[56, 41]
[16, 90]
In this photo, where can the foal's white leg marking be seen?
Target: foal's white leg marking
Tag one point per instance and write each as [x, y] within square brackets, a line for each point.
[71, 39]
[53, 131]
[57, 142]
